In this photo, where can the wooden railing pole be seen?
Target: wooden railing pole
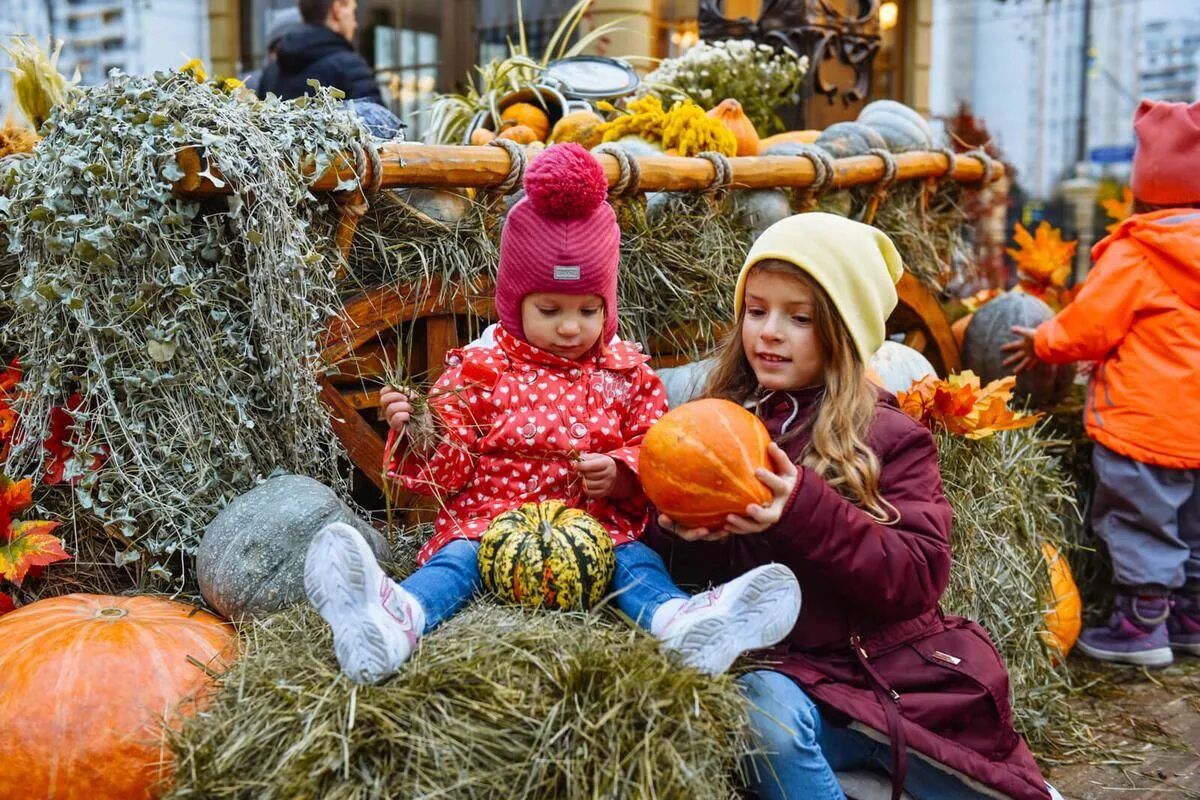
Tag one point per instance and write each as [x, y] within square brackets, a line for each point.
[485, 167]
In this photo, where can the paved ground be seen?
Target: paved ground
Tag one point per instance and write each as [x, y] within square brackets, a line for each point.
[1156, 717]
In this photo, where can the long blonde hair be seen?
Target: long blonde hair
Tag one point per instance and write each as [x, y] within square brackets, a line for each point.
[837, 449]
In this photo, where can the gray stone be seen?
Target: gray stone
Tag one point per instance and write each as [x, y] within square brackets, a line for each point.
[251, 557]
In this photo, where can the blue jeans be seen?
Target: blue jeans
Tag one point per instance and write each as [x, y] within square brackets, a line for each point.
[799, 752]
[447, 582]
[641, 583]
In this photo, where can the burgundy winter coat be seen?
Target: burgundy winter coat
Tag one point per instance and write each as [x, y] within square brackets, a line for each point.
[871, 644]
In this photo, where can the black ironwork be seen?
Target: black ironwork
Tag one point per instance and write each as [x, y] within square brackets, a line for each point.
[846, 32]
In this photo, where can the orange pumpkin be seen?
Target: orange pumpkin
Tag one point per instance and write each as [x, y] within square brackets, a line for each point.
[697, 463]
[788, 137]
[521, 134]
[730, 113]
[530, 116]
[481, 136]
[1064, 620]
[959, 328]
[87, 681]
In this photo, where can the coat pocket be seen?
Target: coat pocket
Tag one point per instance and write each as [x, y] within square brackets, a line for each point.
[953, 683]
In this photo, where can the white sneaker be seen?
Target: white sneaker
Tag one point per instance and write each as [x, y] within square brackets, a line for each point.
[753, 611]
[373, 626]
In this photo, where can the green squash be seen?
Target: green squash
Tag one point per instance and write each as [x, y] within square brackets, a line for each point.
[844, 139]
[547, 555]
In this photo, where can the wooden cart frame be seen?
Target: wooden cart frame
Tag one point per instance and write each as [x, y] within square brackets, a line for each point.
[435, 314]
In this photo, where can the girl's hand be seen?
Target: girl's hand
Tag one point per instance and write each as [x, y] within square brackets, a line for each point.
[397, 409]
[1023, 355]
[691, 534]
[782, 482]
[602, 477]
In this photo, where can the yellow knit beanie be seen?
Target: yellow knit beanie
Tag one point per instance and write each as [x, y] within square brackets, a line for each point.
[856, 265]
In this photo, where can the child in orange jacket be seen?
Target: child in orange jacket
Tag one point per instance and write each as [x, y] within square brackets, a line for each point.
[1138, 316]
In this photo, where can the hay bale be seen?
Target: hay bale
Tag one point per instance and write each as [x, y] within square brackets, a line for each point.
[1010, 493]
[496, 703]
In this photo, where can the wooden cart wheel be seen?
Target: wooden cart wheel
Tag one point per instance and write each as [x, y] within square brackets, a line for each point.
[364, 338]
[925, 326]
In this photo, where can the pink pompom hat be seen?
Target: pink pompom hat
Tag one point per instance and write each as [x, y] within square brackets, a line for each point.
[561, 237]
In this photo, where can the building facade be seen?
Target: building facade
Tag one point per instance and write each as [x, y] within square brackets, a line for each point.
[421, 47]
[133, 36]
[1052, 97]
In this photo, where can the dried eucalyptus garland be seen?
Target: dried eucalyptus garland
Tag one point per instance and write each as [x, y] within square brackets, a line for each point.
[188, 326]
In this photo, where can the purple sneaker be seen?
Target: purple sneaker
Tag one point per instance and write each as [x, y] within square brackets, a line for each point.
[1136, 633]
[1183, 626]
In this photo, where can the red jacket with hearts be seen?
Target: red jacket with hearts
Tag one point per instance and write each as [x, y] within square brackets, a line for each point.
[513, 420]
[870, 624]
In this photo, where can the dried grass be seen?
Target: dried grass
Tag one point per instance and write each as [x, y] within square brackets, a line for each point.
[498, 702]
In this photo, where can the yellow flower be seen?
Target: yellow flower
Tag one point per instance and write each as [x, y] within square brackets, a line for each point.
[196, 67]
[229, 84]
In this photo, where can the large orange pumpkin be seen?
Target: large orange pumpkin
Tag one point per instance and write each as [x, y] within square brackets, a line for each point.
[87, 681]
[1064, 619]
[697, 463]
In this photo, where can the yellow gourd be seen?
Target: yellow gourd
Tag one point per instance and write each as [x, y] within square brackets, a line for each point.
[730, 113]
[528, 115]
[579, 127]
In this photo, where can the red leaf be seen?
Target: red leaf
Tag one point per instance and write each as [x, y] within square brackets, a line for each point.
[9, 378]
[6, 604]
[59, 444]
[31, 545]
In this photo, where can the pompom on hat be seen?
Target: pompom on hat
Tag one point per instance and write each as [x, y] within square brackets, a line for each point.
[561, 237]
[1166, 164]
[857, 266]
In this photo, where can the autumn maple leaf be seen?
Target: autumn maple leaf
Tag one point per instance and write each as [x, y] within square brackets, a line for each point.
[1118, 210]
[6, 604]
[980, 298]
[29, 545]
[962, 406]
[1043, 258]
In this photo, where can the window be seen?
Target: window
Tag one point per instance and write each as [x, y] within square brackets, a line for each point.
[406, 66]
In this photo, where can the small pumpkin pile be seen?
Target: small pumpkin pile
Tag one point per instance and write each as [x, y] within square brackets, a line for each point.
[883, 125]
[528, 123]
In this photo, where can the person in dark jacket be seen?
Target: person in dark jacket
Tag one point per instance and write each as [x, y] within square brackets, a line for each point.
[286, 22]
[873, 677]
[321, 50]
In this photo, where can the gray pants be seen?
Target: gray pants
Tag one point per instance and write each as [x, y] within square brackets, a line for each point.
[1150, 519]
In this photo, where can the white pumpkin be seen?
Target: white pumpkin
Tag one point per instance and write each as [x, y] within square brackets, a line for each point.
[899, 366]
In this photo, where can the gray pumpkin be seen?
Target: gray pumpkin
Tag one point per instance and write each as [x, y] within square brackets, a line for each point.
[251, 558]
[844, 139]
[759, 209]
[900, 126]
[1042, 386]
